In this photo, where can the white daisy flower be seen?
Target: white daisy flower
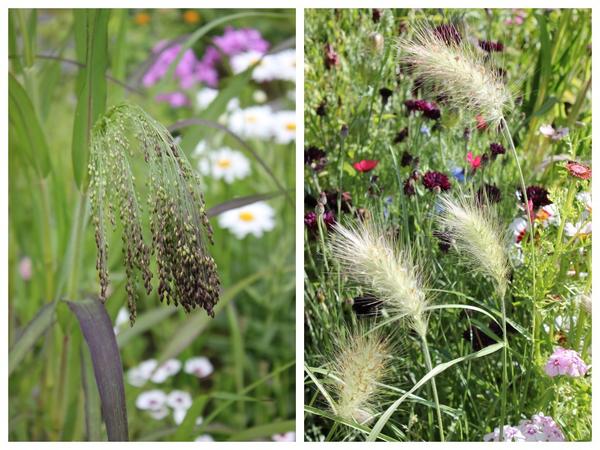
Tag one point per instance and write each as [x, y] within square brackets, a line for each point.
[168, 369]
[548, 215]
[579, 229]
[226, 164]
[242, 61]
[290, 436]
[179, 400]
[286, 62]
[585, 198]
[255, 219]
[205, 97]
[284, 126]
[259, 96]
[152, 400]
[204, 438]
[199, 366]
[254, 122]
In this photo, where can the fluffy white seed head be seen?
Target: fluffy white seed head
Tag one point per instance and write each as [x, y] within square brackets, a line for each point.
[478, 236]
[456, 71]
[372, 259]
[361, 362]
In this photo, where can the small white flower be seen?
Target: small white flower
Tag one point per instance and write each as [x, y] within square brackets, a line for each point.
[286, 62]
[179, 400]
[242, 61]
[205, 97]
[259, 96]
[168, 369]
[585, 198]
[284, 126]
[226, 164]
[255, 219]
[547, 130]
[579, 229]
[152, 400]
[233, 104]
[290, 436]
[253, 122]
[135, 377]
[199, 421]
[160, 413]
[199, 366]
[122, 318]
[179, 415]
[204, 438]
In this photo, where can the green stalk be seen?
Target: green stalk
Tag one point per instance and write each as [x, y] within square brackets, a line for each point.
[504, 388]
[436, 400]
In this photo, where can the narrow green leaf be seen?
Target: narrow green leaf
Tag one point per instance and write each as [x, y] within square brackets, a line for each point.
[99, 335]
[143, 323]
[91, 34]
[375, 432]
[32, 332]
[27, 129]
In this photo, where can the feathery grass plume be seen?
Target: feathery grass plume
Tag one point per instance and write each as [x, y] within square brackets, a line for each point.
[455, 70]
[360, 362]
[372, 259]
[178, 225]
[478, 235]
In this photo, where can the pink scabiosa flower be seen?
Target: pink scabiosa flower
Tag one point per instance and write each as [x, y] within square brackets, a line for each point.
[565, 362]
[436, 181]
[579, 170]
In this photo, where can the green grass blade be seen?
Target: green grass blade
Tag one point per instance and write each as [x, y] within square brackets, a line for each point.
[97, 329]
[144, 323]
[373, 435]
[264, 431]
[32, 332]
[91, 34]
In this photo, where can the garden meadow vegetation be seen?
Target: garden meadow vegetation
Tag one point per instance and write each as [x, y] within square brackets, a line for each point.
[151, 160]
[448, 225]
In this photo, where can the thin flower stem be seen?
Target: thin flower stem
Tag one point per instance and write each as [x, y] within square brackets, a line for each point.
[433, 385]
[504, 392]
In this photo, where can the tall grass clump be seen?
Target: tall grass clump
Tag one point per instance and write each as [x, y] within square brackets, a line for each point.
[372, 259]
[178, 225]
[360, 363]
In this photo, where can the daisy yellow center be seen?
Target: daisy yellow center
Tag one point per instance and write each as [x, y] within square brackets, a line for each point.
[543, 215]
[290, 126]
[246, 216]
[224, 163]
[251, 119]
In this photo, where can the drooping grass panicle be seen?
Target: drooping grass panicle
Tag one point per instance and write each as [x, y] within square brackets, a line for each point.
[478, 235]
[372, 259]
[457, 71]
[360, 362]
[178, 229]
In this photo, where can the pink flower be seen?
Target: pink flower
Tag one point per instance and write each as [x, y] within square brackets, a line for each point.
[511, 434]
[474, 161]
[366, 165]
[565, 362]
[25, 268]
[176, 99]
[539, 428]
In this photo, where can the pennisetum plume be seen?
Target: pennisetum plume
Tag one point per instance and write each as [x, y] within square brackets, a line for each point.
[457, 71]
[372, 259]
[178, 227]
[359, 364]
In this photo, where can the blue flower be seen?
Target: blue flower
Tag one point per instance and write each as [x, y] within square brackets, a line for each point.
[425, 130]
[458, 173]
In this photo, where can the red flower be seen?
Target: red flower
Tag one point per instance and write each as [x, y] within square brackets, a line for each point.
[481, 123]
[579, 170]
[436, 181]
[474, 161]
[366, 165]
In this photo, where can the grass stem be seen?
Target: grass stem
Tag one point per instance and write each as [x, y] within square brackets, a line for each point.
[433, 385]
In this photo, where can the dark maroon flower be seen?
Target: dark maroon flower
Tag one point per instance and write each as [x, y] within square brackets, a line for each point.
[538, 196]
[467, 134]
[406, 159]
[579, 170]
[448, 33]
[436, 181]
[310, 220]
[344, 131]
[488, 193]
[329, 218]
[444, 240]
[497, 149]
[411, 105]
[429, 109]
[332, 59]
[315, 158]
[409, 187]
[385, 95]
[491, 46]
[401, 135]
[366, 305]
[366, 165]
[321, 109]
[345, 197]
[376, 16]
